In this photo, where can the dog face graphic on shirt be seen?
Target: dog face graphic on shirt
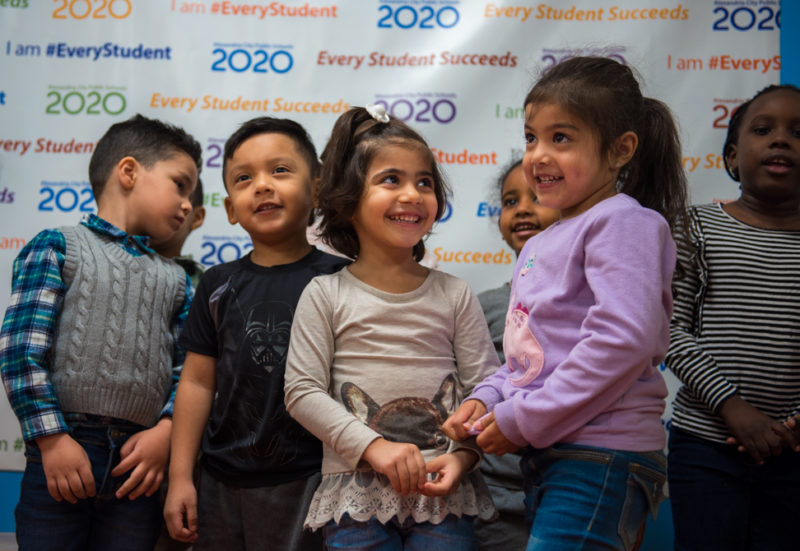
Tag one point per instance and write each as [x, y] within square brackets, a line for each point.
[409, 419]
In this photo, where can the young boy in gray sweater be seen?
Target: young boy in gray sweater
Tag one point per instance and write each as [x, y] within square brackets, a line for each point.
[88, 350]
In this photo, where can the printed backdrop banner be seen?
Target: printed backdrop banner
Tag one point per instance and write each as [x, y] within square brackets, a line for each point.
[457, 71]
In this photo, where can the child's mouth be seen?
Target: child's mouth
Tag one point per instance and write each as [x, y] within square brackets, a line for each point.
[545, 181]
[405, 219]
[264, 207]
[778, 164]
[525, 227]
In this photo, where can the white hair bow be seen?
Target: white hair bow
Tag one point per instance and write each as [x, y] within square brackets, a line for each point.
[378, 112]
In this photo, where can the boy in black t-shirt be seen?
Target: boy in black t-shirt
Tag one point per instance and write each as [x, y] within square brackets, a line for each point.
[259, 468]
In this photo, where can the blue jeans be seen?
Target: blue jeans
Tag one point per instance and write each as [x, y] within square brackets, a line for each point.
[452, 534]
[99, 523]
[721, 499]
[582, 497]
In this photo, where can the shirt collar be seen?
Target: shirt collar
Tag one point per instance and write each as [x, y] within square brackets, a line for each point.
[97, 224]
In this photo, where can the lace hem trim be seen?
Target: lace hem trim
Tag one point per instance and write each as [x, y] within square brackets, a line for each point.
[367, 494]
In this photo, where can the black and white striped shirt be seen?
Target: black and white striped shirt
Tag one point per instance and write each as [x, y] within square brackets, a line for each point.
[736, 324]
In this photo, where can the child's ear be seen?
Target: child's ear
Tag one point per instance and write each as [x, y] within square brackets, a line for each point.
[229, 209]
[127, 170]
[624, 149]
[198, 217]
[732, 161]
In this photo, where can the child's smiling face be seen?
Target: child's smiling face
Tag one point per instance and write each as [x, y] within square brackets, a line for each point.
[269, 188]
[563, 162]
[521, 215]
[398, 206]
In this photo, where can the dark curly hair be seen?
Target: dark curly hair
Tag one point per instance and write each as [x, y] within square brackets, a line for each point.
[354, 141]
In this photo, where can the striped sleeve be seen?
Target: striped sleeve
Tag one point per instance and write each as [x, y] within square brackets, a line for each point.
[690, 362]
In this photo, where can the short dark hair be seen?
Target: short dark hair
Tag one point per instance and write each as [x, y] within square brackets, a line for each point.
[149, 141]
[605, 94]
[354, 141]
[735, 124]
[272, 125]
[197, 195]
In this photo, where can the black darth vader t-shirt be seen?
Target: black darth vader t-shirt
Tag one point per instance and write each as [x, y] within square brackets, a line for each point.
[242, 315]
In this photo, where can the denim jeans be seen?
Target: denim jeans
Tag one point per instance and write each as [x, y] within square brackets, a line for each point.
[452, 534]
[582, 497]
[722, 500]
[99, 523]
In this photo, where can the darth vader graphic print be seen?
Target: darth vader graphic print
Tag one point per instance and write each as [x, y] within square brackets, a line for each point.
[267, 331]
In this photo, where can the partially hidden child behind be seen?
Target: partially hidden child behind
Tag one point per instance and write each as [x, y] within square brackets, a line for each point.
[173, 247]
[88, 348]
[588, 320]
[521, 218]
[259, 467]
[382, 350]
[734, 466]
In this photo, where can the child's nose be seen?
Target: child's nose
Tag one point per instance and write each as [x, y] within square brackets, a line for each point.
[263, 183]
[524, 207]
[780, 138]
[537, 155]
[410, 193]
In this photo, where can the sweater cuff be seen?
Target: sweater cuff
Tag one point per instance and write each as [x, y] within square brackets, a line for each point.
[354, 440]
[506, 421]
[487, 395]
[720, 395]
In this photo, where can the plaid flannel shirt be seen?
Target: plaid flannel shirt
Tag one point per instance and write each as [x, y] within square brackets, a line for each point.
[28, 331]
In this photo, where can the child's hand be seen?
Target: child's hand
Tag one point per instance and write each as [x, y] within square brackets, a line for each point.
[147, 453]
[180, 510]
[492, 440]
[793, 424]
[753, 431]
[449, 469]
[401, 462]
[457, 425]
[67, 468]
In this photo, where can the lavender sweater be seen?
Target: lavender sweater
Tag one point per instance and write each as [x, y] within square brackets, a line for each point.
[587, 327]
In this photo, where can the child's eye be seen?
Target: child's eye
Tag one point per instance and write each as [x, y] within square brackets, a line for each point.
[761, 130]
[558, 137]
[529, 137]
[510, 202]
[390, 179]
[425, 182]
[281, 169]
[241, 178]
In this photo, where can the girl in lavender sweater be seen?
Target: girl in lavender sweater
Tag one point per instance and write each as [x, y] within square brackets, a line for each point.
[588, 321]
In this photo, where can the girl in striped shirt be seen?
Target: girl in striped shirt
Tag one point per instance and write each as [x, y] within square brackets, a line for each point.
[734, 470]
